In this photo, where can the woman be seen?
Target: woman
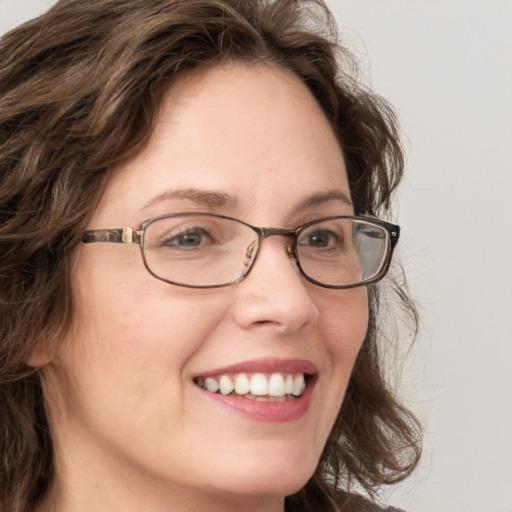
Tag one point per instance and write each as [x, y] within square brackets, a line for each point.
[159, 350]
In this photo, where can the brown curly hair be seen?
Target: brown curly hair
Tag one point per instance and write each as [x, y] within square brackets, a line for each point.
[80, 90]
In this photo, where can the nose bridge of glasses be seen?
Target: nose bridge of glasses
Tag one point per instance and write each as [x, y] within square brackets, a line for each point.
[288, 233]
[253, 250]
[267, 232]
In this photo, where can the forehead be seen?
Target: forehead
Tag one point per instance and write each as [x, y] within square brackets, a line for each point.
[252, 134]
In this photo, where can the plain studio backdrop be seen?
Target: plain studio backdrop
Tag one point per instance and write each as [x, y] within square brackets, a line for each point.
[446, 66]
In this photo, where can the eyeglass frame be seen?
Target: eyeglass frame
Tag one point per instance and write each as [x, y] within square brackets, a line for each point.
[129, 235]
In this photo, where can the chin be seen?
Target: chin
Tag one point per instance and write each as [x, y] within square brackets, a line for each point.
[286, 485]
[277, 475]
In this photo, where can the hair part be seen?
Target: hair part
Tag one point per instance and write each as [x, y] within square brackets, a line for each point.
[80, 92]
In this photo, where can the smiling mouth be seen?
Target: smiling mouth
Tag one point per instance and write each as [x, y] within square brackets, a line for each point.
[265, 387]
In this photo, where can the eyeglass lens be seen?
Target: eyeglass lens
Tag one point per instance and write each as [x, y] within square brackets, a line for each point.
[206, 250]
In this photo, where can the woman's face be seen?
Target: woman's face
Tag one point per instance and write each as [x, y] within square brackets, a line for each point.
[251, 143]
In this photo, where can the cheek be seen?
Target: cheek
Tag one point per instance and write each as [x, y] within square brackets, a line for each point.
[148, 329]
[139, 314]
[131, 337]
[345, 322]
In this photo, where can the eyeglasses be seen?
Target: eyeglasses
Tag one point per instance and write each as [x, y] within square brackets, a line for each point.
[200, 250]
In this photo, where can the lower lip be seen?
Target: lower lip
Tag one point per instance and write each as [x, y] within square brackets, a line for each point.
[270, 412]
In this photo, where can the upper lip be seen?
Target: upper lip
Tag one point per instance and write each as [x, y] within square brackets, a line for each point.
[264, 365]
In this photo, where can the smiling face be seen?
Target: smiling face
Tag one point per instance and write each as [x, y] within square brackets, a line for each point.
[132, 393]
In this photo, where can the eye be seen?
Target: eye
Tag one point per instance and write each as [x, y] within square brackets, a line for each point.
[189, 238]
[321, 239]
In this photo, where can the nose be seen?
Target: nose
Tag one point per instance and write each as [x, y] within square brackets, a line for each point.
[274, 294]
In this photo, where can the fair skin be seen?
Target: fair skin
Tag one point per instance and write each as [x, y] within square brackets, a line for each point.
[132, 430]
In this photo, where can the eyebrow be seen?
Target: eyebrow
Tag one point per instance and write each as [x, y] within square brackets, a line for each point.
[324, 197]
[216, 199]
[204, 198]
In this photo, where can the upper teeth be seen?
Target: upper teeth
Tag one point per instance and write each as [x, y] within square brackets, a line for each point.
[258, 384]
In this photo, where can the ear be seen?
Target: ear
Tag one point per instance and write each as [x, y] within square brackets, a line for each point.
[38, 356]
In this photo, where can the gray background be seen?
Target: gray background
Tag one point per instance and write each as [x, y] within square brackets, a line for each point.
[446, 66]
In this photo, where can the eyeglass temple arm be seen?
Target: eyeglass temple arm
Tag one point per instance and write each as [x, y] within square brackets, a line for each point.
[113, 236]
[394, 235]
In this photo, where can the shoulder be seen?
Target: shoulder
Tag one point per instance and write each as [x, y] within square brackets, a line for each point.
[357, 503]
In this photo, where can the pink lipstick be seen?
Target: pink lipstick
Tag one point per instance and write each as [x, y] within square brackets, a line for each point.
[270, 390]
